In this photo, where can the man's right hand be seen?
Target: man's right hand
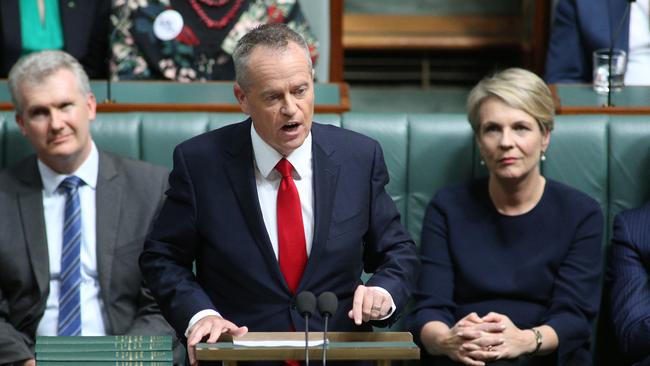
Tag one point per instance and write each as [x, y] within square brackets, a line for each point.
[30, 362]
[211, 326]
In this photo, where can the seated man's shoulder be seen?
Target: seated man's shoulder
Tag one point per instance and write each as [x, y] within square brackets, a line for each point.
[639, 215]
[20, 175]
[632, 226]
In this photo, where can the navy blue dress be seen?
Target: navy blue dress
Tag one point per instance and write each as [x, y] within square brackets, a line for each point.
[541, 267]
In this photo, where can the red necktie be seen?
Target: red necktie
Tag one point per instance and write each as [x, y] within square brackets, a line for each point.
[292, 250]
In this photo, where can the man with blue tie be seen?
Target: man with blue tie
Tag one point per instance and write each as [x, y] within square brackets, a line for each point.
[73, 219]
[273, 206]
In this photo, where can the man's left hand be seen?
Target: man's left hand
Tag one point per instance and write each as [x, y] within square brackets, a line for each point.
[369, 304]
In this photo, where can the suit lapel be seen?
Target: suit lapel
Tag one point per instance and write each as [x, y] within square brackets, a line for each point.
[240, 170]
[325, 173]
[30, 201]
[108, 200]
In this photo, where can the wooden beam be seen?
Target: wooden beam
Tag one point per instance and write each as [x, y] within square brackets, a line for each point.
[336, 41]
[370, 31]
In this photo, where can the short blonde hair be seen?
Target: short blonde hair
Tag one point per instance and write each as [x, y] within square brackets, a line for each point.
[518, 88]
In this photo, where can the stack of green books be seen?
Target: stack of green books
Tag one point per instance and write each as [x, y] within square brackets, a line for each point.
[126, 350]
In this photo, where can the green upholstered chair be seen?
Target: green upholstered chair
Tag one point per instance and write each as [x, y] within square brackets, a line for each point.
[441, 152]
[391, 131]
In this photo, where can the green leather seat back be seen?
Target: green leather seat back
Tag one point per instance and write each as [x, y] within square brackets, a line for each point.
[118, 133]
[391, 131]
[218, 120]
[577, 155]
[16, 146]
[161, 132]
[441, 148]
[629, 163]
[629, 187]
[328, 119]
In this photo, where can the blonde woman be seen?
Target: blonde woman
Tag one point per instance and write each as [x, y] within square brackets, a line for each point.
[511, 262]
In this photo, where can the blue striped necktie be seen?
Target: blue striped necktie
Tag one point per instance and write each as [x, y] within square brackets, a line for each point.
[69, 295]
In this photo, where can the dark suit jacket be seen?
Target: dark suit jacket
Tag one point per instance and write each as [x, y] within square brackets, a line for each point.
[128, 196]
[628, 283]
[85, 26]
[581, 27]
[212, 216]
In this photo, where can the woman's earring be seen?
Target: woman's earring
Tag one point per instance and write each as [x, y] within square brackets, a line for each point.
[482, 162]
[543, 158]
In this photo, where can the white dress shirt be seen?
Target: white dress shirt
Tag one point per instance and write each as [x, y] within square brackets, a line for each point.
[92, 321]
[267, 180]
[638, 64]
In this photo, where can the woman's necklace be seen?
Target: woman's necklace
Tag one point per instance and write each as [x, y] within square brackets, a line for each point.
[216, 3]
[212, 23]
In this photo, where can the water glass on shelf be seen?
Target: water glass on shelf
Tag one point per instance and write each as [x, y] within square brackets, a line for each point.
[605, 60]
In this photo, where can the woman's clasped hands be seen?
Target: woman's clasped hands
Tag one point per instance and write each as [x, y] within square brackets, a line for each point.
[475, 340]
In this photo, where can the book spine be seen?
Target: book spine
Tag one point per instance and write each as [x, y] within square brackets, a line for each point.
[103, 339]
[105, 363]
[105, 356]
[120, 346]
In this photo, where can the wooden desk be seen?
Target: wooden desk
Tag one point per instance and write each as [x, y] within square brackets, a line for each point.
[167, 96]
[525, 30]
[582, 99]
[379, 346]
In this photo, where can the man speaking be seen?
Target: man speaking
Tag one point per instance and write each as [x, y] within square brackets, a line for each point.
[273, 206]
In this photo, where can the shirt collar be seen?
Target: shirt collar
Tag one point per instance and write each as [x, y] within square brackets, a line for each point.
[266, 157]
[87, 172]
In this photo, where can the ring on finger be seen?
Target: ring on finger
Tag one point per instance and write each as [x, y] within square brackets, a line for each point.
[376, 307]
[489, 348]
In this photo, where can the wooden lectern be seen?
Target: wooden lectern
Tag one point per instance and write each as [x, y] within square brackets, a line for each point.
[343, 346]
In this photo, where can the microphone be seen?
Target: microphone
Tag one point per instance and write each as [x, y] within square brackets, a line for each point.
[327, 304]
[614, 37]
[306, 303]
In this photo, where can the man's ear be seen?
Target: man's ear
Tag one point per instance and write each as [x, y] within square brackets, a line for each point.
[91, 102]
[241, 98]
[21, 124]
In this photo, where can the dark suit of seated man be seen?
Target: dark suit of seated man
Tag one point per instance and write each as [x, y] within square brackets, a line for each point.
[73, 220]
[332, 219]
[627, 284]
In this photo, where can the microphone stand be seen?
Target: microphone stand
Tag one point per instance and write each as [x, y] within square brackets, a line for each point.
[610, 65]
[307, 339]
[306, 303]
[325, 340]
[327, 304]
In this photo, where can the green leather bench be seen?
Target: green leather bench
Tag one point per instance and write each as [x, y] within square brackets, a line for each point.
[607, 157]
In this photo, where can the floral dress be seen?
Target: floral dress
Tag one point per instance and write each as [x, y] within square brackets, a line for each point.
[198, 52]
